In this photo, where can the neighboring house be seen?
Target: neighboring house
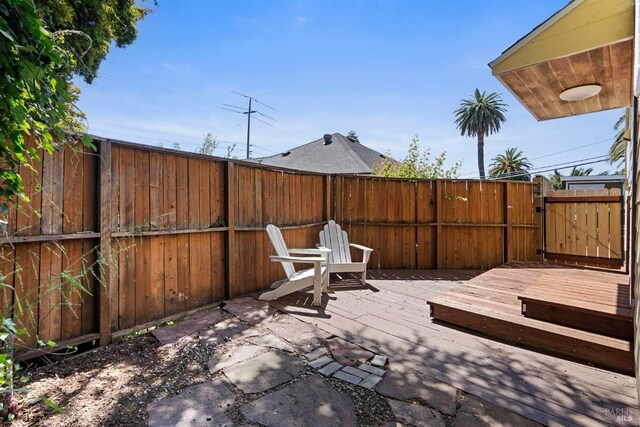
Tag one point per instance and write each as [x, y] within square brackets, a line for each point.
[334, 153]
[593, 182]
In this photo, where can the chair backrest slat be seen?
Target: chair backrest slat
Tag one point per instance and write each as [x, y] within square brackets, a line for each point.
[333, 237]
[277, 241]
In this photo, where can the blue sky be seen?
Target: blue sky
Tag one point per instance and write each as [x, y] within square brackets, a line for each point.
[388, 69]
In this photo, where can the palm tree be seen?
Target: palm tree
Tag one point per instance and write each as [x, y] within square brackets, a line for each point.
[617, 150]
[480, 116]
[511, 165]
[576, 171]
[556, 177]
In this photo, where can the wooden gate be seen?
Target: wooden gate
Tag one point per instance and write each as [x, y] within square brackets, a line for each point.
[584, 227]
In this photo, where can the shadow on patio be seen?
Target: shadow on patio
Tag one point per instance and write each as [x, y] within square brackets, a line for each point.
[390, 316]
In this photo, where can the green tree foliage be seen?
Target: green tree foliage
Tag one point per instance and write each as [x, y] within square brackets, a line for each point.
[416, 165]
[480, 116]
[619, 146]
[85, 29]
[209, 145]
[576, 171]
[511, 165]
[43, 45]
[556, 177]
[353, 136]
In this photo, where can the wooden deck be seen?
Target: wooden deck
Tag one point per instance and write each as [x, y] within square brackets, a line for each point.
[391, 316]
[576, 313]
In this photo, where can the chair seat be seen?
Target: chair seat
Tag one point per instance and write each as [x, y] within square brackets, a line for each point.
[347, 267]
[304, 274]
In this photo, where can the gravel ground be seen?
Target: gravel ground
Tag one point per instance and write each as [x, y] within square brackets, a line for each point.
[112, 385]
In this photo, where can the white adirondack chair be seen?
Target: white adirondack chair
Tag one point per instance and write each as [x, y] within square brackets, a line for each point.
[318, 276]
[335, 238]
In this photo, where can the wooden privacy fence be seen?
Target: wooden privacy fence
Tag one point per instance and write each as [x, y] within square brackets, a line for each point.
[439, 224]
[584, 227]
[152, 233]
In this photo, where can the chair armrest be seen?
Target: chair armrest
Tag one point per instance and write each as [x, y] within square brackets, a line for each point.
[362, 248]
[366, 252]
[310, 251]
[296, 259]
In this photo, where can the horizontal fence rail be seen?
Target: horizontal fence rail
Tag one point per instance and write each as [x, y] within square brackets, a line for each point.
[133, 234]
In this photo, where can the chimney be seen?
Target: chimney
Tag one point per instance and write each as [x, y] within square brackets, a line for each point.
[327, 139]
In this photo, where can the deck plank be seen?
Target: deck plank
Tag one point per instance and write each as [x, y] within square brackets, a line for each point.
[389, 319]
[550, 390]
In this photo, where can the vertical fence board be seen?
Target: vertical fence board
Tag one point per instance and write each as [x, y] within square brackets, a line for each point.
[28, 214]
[155, 285]
[7, 272]
[71, 309]
[182, 193]
[184, 272]
[127, 189]
[108, 279]
[90, 283]
[127, 282]
[170, 192]
[49, 312]
[171, 292]
[143, 298]
[26, 291]
[156, 198]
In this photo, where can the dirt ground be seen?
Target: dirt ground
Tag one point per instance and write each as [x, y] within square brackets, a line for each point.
[112, 385]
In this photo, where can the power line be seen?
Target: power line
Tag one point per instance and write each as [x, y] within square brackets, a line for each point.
[603, 157]
[250, 97]
[572, 149]
[531, 172]
[560, 152]
[249, 112]
[162, 132]
[194, 145]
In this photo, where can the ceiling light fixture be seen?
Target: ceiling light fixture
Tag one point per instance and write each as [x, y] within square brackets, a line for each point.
[580, 93]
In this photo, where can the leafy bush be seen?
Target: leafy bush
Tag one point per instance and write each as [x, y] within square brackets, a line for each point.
[416, 165]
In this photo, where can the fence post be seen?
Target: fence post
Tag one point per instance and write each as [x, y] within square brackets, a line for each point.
[440, 252]
[106, 252]
[508, 230]
[231, 239]
[538, 217]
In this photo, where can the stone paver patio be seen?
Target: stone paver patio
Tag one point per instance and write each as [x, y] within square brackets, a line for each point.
[272, 369]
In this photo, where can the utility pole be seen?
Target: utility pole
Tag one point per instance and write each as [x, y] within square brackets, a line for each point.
[249, 111]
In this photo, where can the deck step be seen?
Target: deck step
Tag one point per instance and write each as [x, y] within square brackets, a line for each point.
[611, 321]
[586, 347]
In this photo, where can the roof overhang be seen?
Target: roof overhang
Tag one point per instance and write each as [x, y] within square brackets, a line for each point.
[586, 42]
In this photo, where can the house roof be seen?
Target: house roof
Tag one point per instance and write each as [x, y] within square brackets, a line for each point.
[587, 42]
[593, 178]
[340, 155]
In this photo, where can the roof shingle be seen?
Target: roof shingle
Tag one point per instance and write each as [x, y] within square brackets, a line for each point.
[340, 156]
